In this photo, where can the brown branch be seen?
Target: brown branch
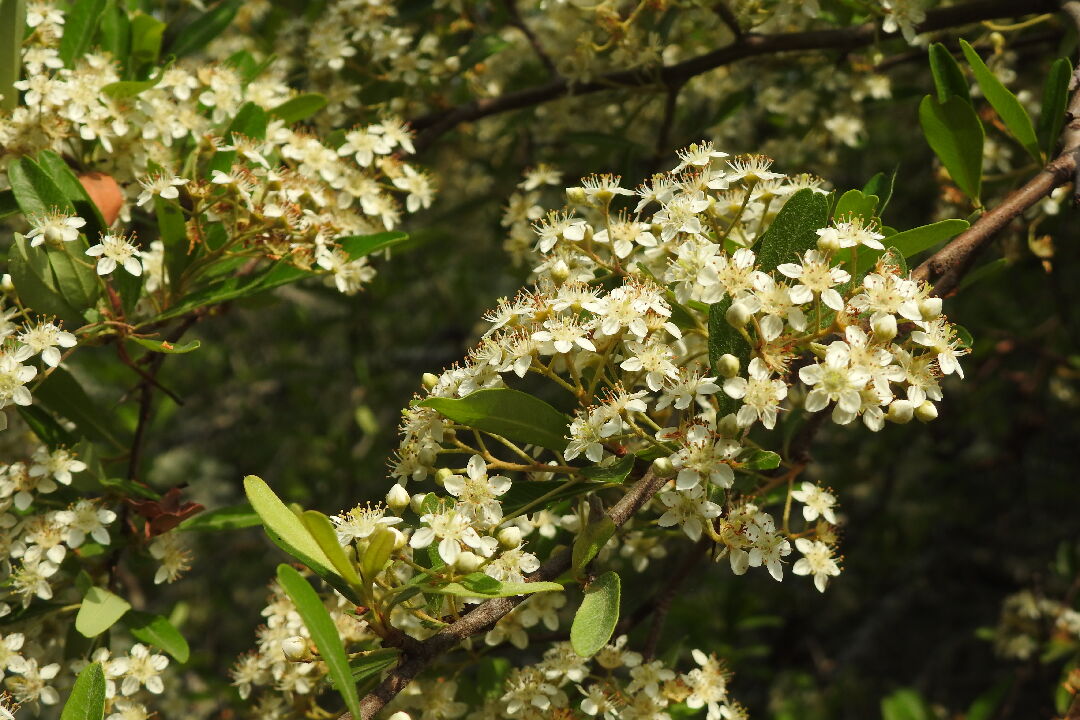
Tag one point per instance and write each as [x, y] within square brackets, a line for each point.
[748, 45]
[418, 655]
[949, 265]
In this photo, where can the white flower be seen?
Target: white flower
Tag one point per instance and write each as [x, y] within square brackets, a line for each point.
[14, 376]
[140, 669]
[690, 509]
[162, 184]
[704, 456]
[452, 529]
[113, 250]
[58, 464]
[816, 502]
[33, 685]
[54, 228]
[45, 338]
[849, 233]
[816, 277]
[817, 560]
[418, 185]
[479, 494]
[837, 381]
[761, 395]
[175, 560]
[86, 518]
[361, 522]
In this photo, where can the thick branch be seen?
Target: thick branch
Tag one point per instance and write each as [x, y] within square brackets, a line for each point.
[748, 45]
[951, 263]
[419, 655]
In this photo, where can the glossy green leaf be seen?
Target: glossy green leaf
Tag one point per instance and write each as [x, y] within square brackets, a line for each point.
[380, 546]
[726, 340]
[1008, 108]
[233, 517]
[510, 413]
[1054, 100]
[80, 26]
[63, 394]
[794, 229]
[299, 108]
[156, 630]
[146, 36]
[35, 284]
[914, 241]
[371, 664]
[323, 633]
[956, 136]
[597, 616]
[284, 523]
[948, 77]
[590, 541]
[323, 531]
[161, 346]
[484, 586]
[42, 424]
[114, 31]
[87, 698]
[199, 32]
[172, 227]
[68, 183]
[617, 472]
[357, 246]
[761, 460]
[99, 611]
[12, 27]
[76, 280]
[855, 203]
[882, 186]
[35, 191]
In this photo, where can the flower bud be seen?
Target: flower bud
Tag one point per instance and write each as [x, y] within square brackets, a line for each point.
[468, 561]
[416, 501]
[901, 412]
[296, 649]
[930, 308]
[399, 538]
[662, 467]
[829, 243]
[738, 315]
[819, 349]
[884, 327]
[510, 537]
[728, 426]
[926, 412]
[441, 474]
[398, 498]
[727, 365]
[430, 380]
[576, 195]
[400, 715]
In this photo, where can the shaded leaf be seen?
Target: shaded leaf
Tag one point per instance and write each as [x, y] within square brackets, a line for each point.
[948, 77]
[299, 108]
[596, 617]
[955, 134]
[1008, 108]
[590, 541]
[510, 413]
[80, 26]
[156, 630]
[1054, 100]
[234, 517]
[200, 31]
[99, 611]
[62, 393]
[794, 230]
[882, 186]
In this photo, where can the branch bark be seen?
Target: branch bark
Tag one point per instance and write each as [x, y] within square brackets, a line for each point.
[947, 267]
[418, 655]
[747, 45]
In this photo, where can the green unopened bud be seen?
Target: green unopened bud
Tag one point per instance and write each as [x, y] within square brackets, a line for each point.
[662, 467]
[510, 537]
[468, 561]
[930, 308]
[819, 349]
[728, 426]
[441, 474]
[926, 412]
[429, 380]
[576, 195]
[738, 315]
[884, 328]
[900, 412]
[727, 365]
[397, 498]
[296, 649]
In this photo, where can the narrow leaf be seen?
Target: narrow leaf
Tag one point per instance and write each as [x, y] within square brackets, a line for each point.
[161, 346]
[80, 26]
[1054, 99]
[1008, 108]
[510, 413]
[357, 246]
[156, 630]
[914, 241]
[63, 394]
[323, 633]
[12, 27]
[299, 108]
[323, 531]
[99, 611]
[234, 517]
[87, 699]
[380, 545]
[484, 586]
[882, 186]
[596, 617]
[956, 136]
[283, 522]
[948, 77]
[198, 34]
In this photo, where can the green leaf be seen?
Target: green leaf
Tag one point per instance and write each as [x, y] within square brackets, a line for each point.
[129, 287]
[591, 541]
[357, 246]
[12, 27]
[596, 617]
[80, 26]
[525, 492]
[35, 191]
[985, 706]
[794, 230]
[380, 546]
[484, 586]
[857, 203]
[956, 136]
[1008, 108]
[200, 31]
[76, 279]
[905, 704]
[250, 121]
[511, 413]
[323, 633]
[172, 227]
[128, 88]
[114, 32]
[87, 698]
[156, 630]
[370, 664]
[66, 181]
[299, 108]
[233, 517]
[160, 346]
[8, 206]
[146, 35]
[882, 186]
[614, 473]
[61, 393]
[99, 611]
[914, 241]
[322, 530]
[726, 340]
[762, 460]
[35, 284]
[46, 428]
[948, 77]
[1054, 99]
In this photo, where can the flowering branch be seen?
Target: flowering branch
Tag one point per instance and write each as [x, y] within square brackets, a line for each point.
[747, 45]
